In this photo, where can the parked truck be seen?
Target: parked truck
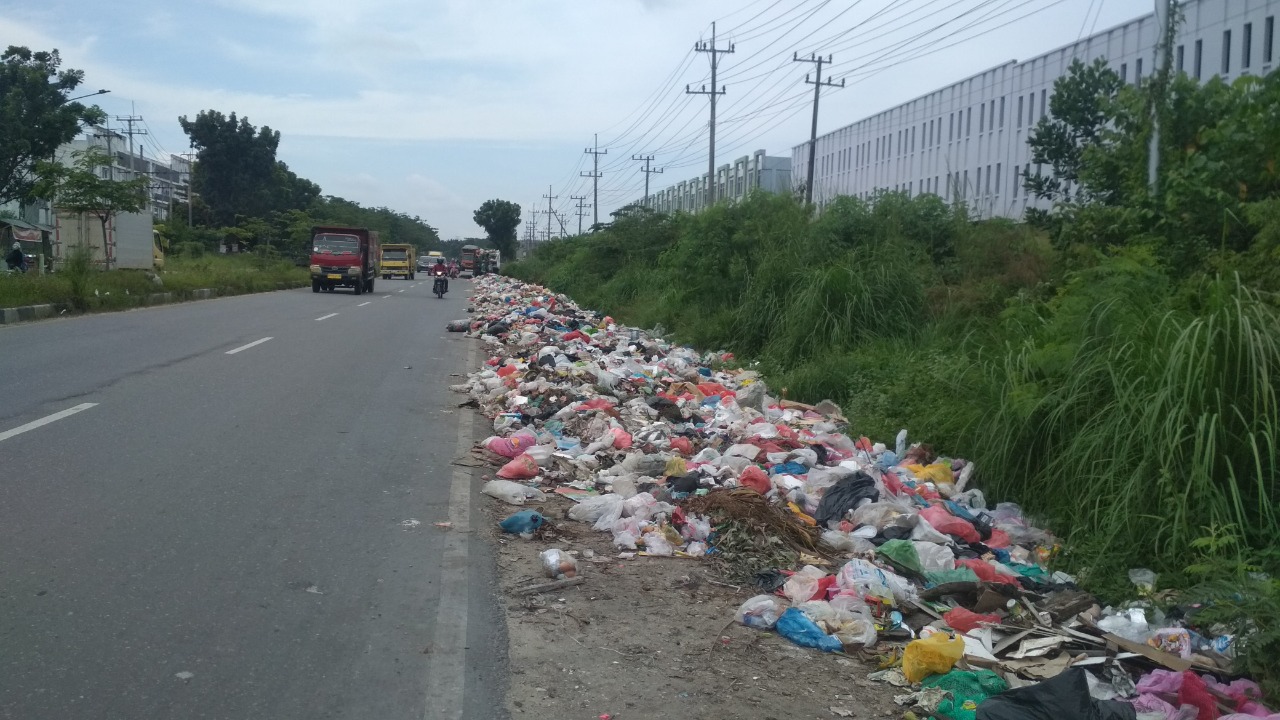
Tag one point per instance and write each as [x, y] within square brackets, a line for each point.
[397, 260]
[343, 257]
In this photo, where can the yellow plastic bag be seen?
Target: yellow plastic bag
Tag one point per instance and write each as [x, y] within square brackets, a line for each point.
[675, 468]
[937, 473]
[934, 655]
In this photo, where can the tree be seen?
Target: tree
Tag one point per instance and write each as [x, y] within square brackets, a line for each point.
[235, 171]
[35, 117]
[500, 218]
[79, 188]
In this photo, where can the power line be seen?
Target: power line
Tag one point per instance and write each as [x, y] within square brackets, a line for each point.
[818, 84]
[595, 153]
[713, 93]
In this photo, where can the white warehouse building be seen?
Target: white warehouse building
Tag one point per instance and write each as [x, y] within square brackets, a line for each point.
[734, 181]
[968, 141]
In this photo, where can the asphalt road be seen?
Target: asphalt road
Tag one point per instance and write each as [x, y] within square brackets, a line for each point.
[217, 534]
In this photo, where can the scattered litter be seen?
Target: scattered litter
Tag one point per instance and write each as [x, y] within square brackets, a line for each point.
[184, 675]
[409, 524]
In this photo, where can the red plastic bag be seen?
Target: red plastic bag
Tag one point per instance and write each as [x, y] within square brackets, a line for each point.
[575, 335]
[522, 467]
[999, 539]
[708, 389]
[506, 370]
[756, 479]
[984, 571]
[597, 403]
[962, 620]
[682, 445]
[1194, 692]
[621, 439]
[945, 522]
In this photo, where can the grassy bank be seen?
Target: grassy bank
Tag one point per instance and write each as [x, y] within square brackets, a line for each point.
[94, 290]
[1131, 407]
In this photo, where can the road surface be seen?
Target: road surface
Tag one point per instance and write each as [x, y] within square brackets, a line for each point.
[226, 509]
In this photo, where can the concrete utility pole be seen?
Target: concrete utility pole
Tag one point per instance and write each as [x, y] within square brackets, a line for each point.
[647, 170]
[549, 197]
[581, 212]
[595, 152]
[130, 120]
[817, 84]
[714, 93]
[1165, 23]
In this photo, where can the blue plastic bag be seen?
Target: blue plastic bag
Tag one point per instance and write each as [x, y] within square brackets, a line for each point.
[799, 629]
[525, 521]
[789, 468]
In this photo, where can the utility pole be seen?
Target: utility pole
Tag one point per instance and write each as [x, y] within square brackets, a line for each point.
[647, 170]
[581, 212]
[595, 152]
[714, 93]
[549, 197]
[817, 84]
[130, 120]
[1165, 23]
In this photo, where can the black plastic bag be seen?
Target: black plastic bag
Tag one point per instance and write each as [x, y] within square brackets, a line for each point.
[845, 496]
[1065, 697]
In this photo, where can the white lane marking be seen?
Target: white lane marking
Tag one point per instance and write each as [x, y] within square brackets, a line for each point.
[399, 291]
[326, 317]
[246, 347]
[447, 662]
[366, 302]
[54, 418]
[384, 297]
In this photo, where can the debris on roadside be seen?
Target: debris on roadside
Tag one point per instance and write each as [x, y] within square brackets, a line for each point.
[850, 546]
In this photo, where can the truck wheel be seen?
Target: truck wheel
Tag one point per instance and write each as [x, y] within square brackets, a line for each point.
[315, 286]
[410, 276]
[358, 287]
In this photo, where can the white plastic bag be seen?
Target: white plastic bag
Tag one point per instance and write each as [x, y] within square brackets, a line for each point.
[846, 542]
[590, 509]
[641, 505]
[558, 564]
[696, 549]
[512, 492]
[655, 544]
[760, 612]
[624, 540]
[541, 454]
[934, 557]
[802, 586]
[866, 578]
[697, 528]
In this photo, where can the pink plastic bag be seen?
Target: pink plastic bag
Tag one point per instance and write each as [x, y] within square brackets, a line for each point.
[621, 439]
[756, 479]
[511, 446]
[945, 522]
[521, 468]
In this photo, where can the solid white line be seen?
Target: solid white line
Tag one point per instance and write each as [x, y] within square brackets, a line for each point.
[325, 317]
[246, 347]
[46, 420]
[399, 291]
[446, 664]
[384, 297]
[366, 302]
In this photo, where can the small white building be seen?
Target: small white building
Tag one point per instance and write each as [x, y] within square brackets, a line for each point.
[968, 141]
[129, 240]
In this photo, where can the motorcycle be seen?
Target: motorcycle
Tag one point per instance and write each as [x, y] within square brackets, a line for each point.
[441, 284]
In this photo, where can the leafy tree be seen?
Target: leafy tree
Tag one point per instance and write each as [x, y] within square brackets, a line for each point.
[1083, 103]
[500, 219]
[235, 170]
[35, 117]
[80, 188]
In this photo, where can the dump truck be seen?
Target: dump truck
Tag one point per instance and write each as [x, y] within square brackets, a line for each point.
[343, 257]
[397, 260]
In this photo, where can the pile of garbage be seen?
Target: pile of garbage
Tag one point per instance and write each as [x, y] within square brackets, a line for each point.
[854, 545]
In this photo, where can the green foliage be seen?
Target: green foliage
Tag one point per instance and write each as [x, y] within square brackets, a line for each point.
[235, 170]
[77, 269]
[35, 117]
[500, 219]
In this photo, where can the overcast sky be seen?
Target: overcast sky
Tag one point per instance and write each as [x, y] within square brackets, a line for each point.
[431, 107]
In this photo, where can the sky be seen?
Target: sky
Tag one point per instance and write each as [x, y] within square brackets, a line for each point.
[431, 107]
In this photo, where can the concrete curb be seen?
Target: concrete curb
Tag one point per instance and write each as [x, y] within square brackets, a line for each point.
[27, 313]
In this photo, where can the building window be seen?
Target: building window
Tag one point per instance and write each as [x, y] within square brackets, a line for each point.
[991, 117]
[968, 123]
[1137, 71]
[1015, 183]
[1044, 103]
[1246, 45]
[951, 128]
[1181, 56]
[1268, 37]
[1001, 111]
[913, 138]
[1124, 73]
[997, 183]
[1031, 109]
[982, 116]
[1199, 62]
[964, 187]
[1226, 52]
[1019, 111]
[977, 186]
[987, 191]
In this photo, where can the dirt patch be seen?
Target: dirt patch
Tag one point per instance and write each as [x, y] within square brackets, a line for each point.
[654, 638]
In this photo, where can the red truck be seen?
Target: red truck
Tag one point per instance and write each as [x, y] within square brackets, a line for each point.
[343, 257]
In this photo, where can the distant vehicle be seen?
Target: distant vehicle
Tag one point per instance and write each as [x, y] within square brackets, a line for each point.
[469, 256]
[397, 260]
[343, 257]
[424, 263]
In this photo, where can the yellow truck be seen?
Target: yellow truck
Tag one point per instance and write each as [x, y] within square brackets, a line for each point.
[397, 260]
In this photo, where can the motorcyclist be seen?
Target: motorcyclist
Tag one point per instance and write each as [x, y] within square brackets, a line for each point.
[15, 259]
[441, 271]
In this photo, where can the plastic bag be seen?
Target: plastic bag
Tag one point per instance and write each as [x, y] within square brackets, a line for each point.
[964, 620]
[903, 554]
[512, 492]
[945, 522]
[640, 506]
[867, 579]
[697, 528]
[522, 467]
[510, 447]
[933, 655]
[846, 542]
[523, 523]
[799, 629]
[760, 612]
[558, 564]
[934, 558]
[756, 479]
[541, 454]
[802, 586]
[696, 549]
[624, 540]
[591, 509]
[656, 544]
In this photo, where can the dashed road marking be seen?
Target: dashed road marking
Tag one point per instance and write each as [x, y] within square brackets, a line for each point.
[366, 302]
[46, 420]
[325, 317]
[246, 347]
